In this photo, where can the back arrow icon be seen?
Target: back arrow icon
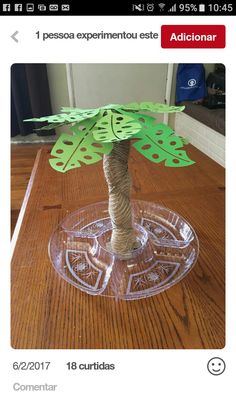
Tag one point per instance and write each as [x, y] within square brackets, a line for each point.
[13, 36]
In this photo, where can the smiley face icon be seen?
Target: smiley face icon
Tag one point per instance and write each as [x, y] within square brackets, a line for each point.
[216, 366]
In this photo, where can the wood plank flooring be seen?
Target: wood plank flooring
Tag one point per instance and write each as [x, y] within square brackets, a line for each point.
[47, 312]
[22, 161]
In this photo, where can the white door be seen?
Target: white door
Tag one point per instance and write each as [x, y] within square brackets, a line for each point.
[94, 85]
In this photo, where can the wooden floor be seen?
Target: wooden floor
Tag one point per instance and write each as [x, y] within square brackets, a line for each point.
[22, 161]
[49, 313]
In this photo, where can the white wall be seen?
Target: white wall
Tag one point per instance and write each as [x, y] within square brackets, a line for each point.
[146, 80]
[100, 84]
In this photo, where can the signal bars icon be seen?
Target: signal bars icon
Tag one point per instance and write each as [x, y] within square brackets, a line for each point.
[173, 8]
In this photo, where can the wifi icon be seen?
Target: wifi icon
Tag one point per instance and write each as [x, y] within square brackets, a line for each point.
[161, 6]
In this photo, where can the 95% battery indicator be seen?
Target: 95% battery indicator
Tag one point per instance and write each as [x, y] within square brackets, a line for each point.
[188, 7]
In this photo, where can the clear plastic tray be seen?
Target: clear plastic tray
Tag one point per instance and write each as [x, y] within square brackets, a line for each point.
[168, 250]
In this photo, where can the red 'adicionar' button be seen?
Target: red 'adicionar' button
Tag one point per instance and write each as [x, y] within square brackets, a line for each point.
[193, 36]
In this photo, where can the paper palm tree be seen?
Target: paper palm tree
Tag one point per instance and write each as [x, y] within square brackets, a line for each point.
[105, 133]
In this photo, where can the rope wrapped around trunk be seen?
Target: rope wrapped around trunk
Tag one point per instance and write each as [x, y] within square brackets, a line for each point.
[115, 167]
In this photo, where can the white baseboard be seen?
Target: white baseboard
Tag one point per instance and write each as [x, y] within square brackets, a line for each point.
[210, 142]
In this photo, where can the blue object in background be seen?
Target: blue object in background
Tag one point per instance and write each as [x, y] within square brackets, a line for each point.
[190, 82]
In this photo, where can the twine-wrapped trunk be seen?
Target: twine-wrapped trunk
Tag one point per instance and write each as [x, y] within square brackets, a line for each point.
[115, 166]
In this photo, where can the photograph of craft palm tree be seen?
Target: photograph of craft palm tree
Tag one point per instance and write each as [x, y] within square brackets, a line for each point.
[124, 248]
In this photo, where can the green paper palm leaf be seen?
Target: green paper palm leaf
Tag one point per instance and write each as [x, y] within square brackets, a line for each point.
[72, 150]
[76, 115]
[115, 127]
[110, 106]
[158, 143]
[50, 127]
[153, 107]
[94, 131]
[143, 119]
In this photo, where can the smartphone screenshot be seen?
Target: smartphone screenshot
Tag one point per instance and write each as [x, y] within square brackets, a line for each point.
[118, 209]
